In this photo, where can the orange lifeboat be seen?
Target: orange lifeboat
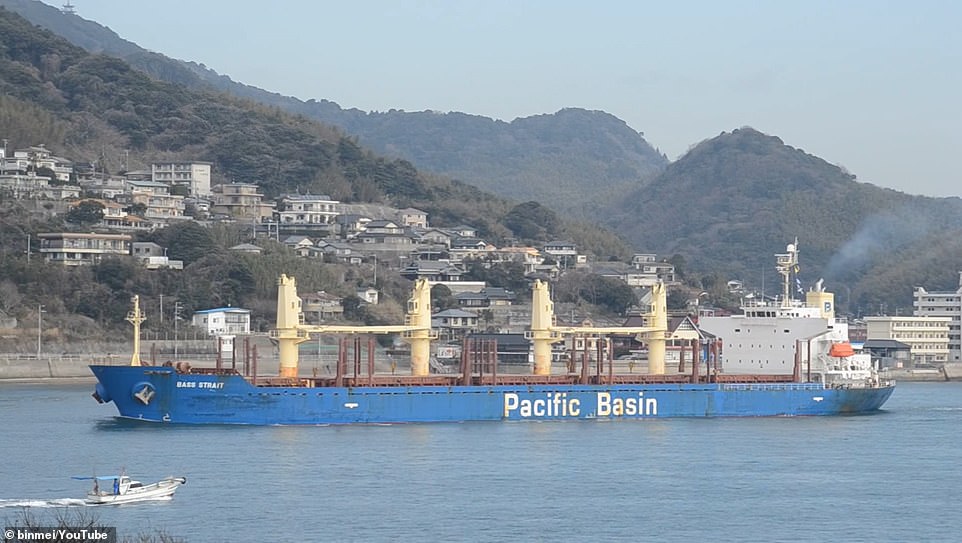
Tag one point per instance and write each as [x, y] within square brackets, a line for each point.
[841, 350]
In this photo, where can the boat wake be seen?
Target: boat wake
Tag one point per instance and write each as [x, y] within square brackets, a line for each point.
[62, 502]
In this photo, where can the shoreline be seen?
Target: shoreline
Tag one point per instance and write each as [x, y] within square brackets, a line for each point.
[78, 380]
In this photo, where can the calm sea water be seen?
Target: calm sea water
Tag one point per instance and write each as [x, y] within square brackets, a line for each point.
[893, 476]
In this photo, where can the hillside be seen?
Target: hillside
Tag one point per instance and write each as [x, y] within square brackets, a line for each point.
[97, 108]
[554, 159]
[560, 160]
[734, 200]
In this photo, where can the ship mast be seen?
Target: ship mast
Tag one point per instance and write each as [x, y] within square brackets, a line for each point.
[787, 263]
[135, 317]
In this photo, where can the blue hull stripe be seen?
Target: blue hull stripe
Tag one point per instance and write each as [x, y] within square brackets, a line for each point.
[210, 399]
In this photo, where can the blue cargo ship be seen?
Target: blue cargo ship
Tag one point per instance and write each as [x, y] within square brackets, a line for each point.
[162, 394]
[812, 371]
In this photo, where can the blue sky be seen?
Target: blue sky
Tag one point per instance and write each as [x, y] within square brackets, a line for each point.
[874, 86]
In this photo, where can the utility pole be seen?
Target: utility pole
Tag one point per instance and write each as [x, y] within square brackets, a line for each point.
[162, 308]
[39, 329]
[177, 308]
[28, 249]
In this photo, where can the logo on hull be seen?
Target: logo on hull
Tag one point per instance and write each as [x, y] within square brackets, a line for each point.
[561, 405]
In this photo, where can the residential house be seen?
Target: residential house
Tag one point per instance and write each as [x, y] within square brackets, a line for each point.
[486, 297]
[380, 241]
[145, 249]
[528, 256]
[472, 300]
[61, 192]
[432, 271]
[499, 296]
[462, 248]
[223, 321]
[139, 175]
[367, 295]
[153, 256]
[320, 306]
[19, 186]
[436, 236]
[156, 198]
[430, 252]
[452, 324]
[511, 349]
[383, 227]
[307, 211]
[301, 245]
[681, 332]
[560, 249]
[464, 231]
[343, 252]
[413, 218]
[247, 248]
[116, 217]
[31, 159]
[75, 249]
[350, 225]
[888, 353]
[652, 271]
[107, 187]
[241, 200]
[544, 271]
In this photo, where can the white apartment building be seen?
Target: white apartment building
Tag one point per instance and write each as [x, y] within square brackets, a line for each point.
[306, 210]
[194, 175]
[34, 158]
[74, 249]
[652, 271]
[928, 337]
[156, 198]
[943, 304]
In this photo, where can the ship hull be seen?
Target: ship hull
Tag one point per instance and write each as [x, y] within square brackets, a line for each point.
[160, 394]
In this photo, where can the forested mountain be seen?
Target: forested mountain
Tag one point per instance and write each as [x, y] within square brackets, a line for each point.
[563, 160]
[90, 107]
[97, 108]
[735, 199]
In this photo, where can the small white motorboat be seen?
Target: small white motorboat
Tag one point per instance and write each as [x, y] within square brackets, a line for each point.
[117, 489]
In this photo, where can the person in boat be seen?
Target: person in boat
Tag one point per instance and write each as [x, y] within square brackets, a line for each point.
[116, 486]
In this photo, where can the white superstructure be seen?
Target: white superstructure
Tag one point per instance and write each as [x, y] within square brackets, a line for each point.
[789, 336]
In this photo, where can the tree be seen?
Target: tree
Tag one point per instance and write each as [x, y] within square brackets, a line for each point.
[137, 209]
[114, 272]
[677, 300]
[186, 241]
[351, 306]
[86, 213]
[509, 275]
[613, 294]
[441, 298]
[9, 295]
[533, 221]
[44, 171]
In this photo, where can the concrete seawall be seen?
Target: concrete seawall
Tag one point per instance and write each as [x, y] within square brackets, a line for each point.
[953, 371]
[44, 368]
